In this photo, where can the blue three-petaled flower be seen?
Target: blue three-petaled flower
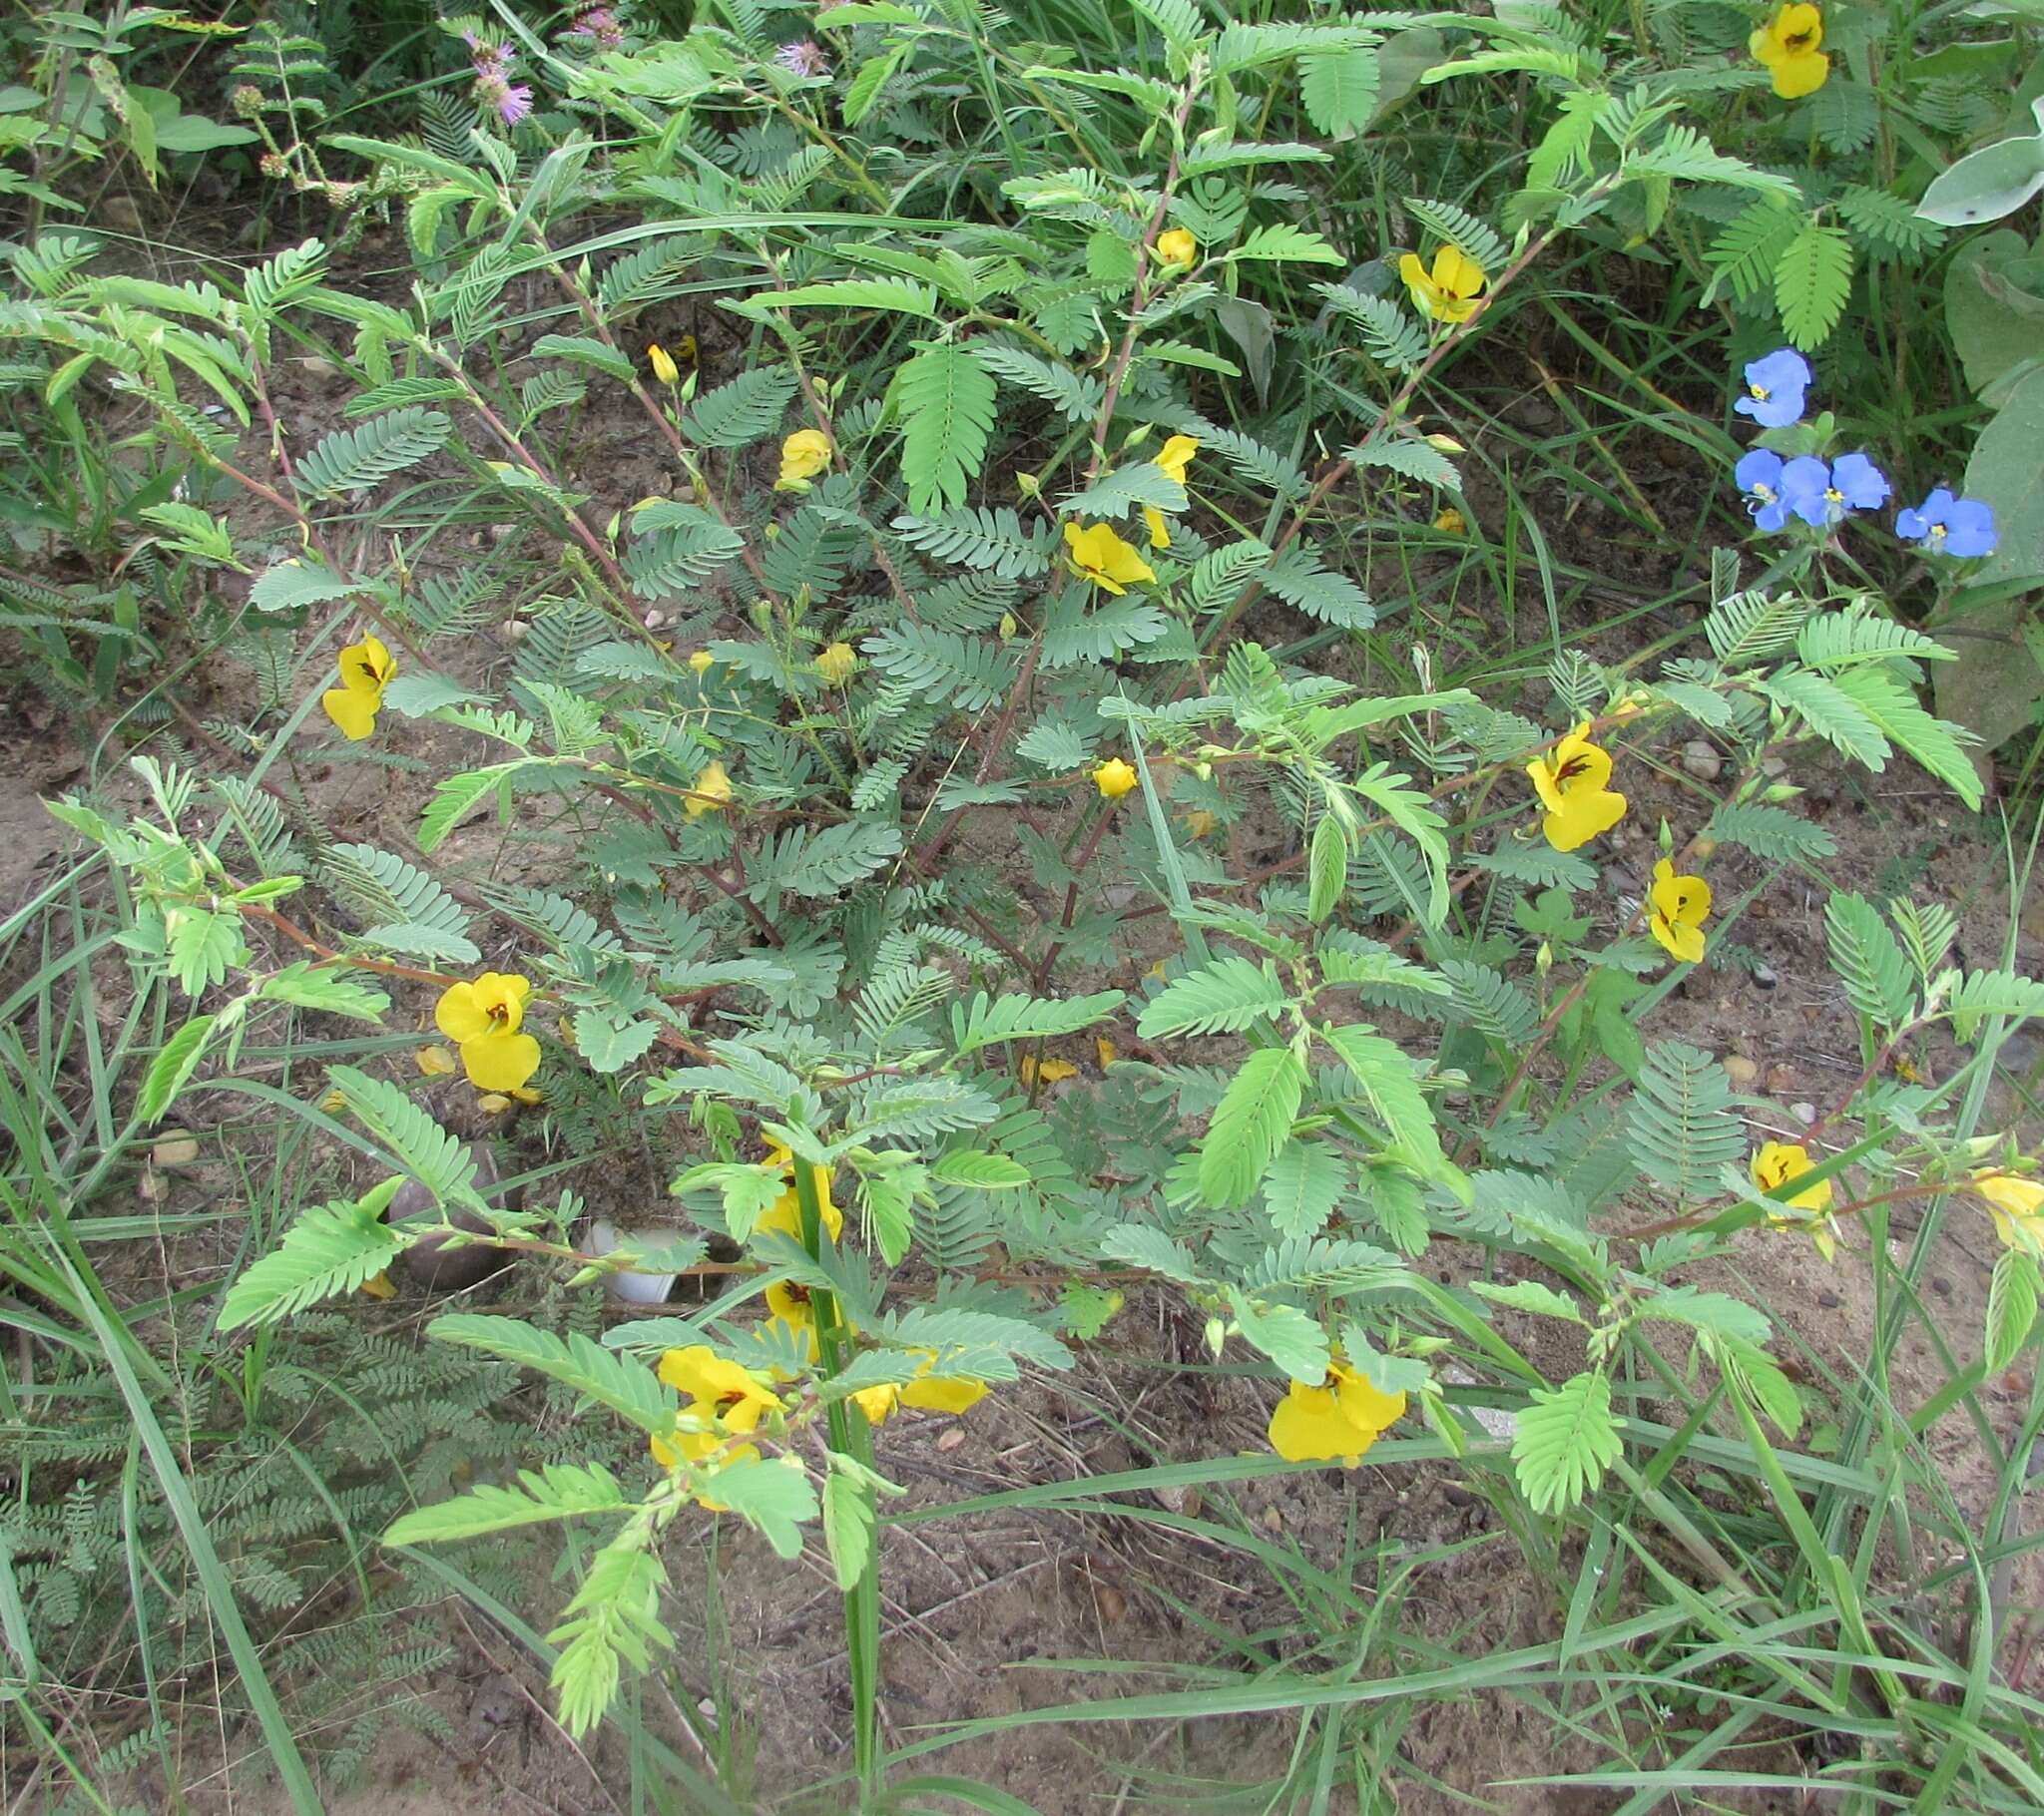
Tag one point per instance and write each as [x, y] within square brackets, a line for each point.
[1759, 478]
[1945, 524]
[1773, 389]
[1822, 495]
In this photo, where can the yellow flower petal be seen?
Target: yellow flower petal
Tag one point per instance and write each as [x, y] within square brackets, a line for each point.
[1159, 536]
[379, 1287]
[500, 1062]
[459, 1015]
[435, 1062]
[2018, 1207]
[1176, 456]
[941, 1394]
[352, 711]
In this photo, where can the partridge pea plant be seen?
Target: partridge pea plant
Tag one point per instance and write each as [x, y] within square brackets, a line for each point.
[887, 772]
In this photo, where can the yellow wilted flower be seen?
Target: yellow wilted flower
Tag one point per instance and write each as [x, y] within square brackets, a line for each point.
[1050, 1072]
[378, 1285]
[1450, 292]
[1099, 555]
[1113, 778]
[1570, 781]
[711, 790]
[702, 661]
[493, 1102]
[803, 455]
[366, 668]
[662, 363]
[1173, 460]
[835, 665]
[482, 1019]
[435, 1062]
[1677, 907]
[1790, 47]
[1106, 1051]
[1451, 522]
[1341, 1420]
[1178, 248]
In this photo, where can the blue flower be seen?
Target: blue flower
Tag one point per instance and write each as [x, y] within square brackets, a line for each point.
[1773, 389]
[1822, 495]
[1758, 475]
[1945, 524]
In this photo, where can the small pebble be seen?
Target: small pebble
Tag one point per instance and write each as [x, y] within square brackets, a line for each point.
[1806, 1113]
[515, 630]
[1773, 767]
[1743, 1072]
[1941, 1286]
[1274, 1520]
[174, 1149]
[1830, 1301]
[1766, 977]
[1699, 757]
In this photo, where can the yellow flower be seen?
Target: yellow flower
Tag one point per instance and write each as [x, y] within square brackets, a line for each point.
[1178, 249]
[925, 1393]
[366, 668]
[1099, 555]
[1113, 778]
[835, 665]
[1570, 781]
[790, 1304]
[724, 1400]
[803, 455]
[2016, 1205]
[380, 1286]
[1173, 461]
[1451, 522]
[1341, 1420]
[786, 1216]
[435, 1062]
[662, 363]
[1791, 45]
[1678, 908]
[711, 790]
[1450, 292]
[1777, 1162]
[700, 660]
[482, 1019]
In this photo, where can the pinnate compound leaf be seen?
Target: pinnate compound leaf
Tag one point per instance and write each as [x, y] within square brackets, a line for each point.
[560, 1490]
[1224, 996]
[1250, 1124]
[1566, 1440]
[946, 401]
[331, 1248]
[628, 1388]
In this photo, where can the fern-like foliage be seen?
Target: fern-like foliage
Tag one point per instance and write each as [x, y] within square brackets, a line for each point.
[353, 460]
[1684, 1126]
[946, 399]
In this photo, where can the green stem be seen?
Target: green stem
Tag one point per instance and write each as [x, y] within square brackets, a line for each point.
[853, 1437]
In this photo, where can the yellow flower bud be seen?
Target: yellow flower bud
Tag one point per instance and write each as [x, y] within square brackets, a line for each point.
[1113, 778]
[1178, 248]
[836, 664]
[664, 367]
